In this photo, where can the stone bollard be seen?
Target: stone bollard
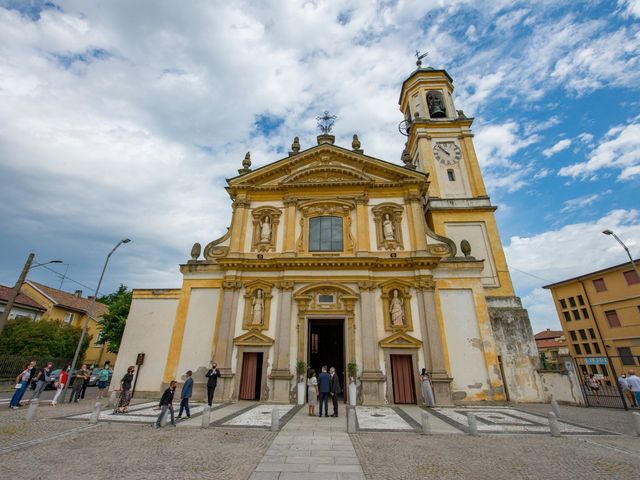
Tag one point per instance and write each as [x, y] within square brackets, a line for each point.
[33, 409]
[275, 419]
[351, 419]
[636, 422]
[95, 415]
[473, 425]
[206, 416]
[554, 425]
[555, 408]
[426, 425]
[163, 420]
[112, 398]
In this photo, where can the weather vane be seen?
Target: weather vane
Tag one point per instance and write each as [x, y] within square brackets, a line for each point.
[325, 122]
[420, 56]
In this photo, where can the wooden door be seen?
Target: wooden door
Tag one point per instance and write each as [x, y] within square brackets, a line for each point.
[403, 381]
[249, 376]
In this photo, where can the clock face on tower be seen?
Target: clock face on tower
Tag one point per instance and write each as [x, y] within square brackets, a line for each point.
[447, 153]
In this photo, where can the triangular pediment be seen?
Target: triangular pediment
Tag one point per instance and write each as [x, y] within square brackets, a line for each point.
[327, 165]
[400, 340]
[253, 338]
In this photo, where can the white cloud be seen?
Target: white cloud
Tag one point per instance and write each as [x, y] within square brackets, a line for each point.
[630, 8]
[542, 173]
[558, 147]
[497, 143]
[569, 251]
[619, 149]
[579, 202]
[585, 137]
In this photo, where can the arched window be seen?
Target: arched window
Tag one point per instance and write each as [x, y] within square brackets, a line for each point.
[325, 234]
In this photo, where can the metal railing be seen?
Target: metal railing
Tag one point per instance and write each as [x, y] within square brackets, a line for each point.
[12, 365]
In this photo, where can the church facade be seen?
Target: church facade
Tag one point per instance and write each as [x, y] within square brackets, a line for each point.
[337, 258]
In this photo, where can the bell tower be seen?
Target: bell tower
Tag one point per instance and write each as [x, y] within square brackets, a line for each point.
[440, 143]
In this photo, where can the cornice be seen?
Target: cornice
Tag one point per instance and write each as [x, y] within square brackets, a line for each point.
[330, 263]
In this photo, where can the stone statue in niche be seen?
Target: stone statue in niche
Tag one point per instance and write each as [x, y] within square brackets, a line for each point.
[265, 229]
[388, 230]
[436, 105]
[396, 310]
[257, 308]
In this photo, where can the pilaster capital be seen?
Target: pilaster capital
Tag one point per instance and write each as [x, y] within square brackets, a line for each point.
[367, 285]
[425, 283]
[285, 285]
[231, 285]
[362, 200]
[241, 203]
[413, 197]
[290, 202]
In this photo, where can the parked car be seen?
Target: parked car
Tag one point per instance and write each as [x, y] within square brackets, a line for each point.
[95, 376]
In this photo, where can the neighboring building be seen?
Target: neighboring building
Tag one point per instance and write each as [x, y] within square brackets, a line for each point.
[72, 308]
[552, 346]
[335, 257]
[23, 306]
[600, 316]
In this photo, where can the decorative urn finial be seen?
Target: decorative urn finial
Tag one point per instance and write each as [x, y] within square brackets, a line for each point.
[407, 160]
[355, 144]
[465, 246]
[195, 251]
[295, 146]
[246, 164]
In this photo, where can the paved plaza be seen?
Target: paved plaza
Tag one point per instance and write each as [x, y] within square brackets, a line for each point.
[513, 443]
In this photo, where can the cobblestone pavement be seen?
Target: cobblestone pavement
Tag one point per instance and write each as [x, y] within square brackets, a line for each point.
[309, 447]
[401, 457]
[114, 451]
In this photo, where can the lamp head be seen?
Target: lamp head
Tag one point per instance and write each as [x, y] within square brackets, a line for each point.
[126, 240]
[55, 261]
[607, 232]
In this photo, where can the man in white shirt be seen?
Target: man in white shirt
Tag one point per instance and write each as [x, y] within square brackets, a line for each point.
[634, 385]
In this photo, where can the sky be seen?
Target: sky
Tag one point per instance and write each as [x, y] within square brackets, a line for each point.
[123, 119]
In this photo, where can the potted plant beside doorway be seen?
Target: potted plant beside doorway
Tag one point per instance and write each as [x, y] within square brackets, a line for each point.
[301, 367]
[352, 370]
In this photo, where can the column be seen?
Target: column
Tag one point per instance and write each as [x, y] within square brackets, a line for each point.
[415, 202]
[281, 375]
[240, 207]
[371, 377]
[290, 226]
[364, 244]
[432, 343]
[224, 338]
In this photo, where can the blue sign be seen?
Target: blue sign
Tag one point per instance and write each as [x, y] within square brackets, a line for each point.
[603, 361]
[588, 361]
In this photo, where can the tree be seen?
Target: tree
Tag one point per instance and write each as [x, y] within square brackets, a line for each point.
[44, 338]
[113, 322]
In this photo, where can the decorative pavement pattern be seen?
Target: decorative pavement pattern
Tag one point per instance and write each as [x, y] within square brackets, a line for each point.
[508, 420]
[380, 419]
[258, 416]
[141, 413]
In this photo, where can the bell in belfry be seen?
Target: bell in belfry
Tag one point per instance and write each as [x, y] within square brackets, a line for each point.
[436, 105]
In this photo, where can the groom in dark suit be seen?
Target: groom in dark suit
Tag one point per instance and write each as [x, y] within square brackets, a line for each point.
[334, 390]
[212, 381]
[324, 386]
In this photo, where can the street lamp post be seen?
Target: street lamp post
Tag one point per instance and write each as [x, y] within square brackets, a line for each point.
[610, 232]
[16, 289]
[86, 320]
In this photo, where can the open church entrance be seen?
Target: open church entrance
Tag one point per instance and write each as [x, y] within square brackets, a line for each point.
[326, 347]
[250, 380]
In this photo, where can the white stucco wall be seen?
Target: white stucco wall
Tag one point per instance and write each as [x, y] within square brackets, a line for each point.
[149, 328]
[468, 366]
[198, 332]
[476, 234]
